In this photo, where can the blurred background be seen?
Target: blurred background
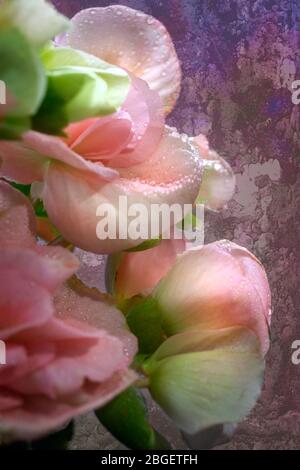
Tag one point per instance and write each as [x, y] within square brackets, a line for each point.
[239, 59]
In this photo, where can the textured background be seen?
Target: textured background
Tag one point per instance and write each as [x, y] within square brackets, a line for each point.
[239, 58]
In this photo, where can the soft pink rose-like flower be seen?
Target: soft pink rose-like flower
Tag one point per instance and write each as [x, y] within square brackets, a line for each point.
[130, 153]
[66, 352]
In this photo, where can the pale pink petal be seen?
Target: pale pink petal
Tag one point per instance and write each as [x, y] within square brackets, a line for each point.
[216, 286]
[21, 361]
[145, 109]
[63, 262]
[87, 305]
[105, 138]
[203, 144]
[26, 281]
[172, 175]
[23, 303]
[39, 415]
[75, 129]
[45, 271]
[21, 163]
[218, 182]
[75, 364]
[133, 40]
[54, 148]
[140, 271]
[17, 218]
[57, 330]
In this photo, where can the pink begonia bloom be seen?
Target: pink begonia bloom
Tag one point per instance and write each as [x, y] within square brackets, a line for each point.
[218, 285]
[130, 153]
[132, 40]
[67, 352]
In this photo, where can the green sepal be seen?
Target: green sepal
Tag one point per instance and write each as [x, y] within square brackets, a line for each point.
[144, 320]
[126, 418]
[146, 245]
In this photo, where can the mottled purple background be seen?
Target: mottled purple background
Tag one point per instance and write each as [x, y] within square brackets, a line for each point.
[239, 58]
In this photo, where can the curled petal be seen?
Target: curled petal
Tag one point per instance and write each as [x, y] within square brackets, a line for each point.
[205, 378]
[145, 109]
[103, 138]
[216, 286]
[28, 160]
[54, 148]
[218, 183]
[133, 40]
[172, 175]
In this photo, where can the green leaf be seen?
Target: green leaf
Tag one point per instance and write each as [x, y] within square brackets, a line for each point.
[51, 118]
[39, 208]
[112, 265]
[38, 204]
[12, 128]
[146, 245]
[144, 321]
[37, 20]
[22, 72]
[24, 188]
[126, 418]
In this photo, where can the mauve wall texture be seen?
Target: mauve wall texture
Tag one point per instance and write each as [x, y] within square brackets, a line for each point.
[239, 58]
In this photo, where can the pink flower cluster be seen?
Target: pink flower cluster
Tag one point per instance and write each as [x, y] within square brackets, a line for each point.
[66, 351]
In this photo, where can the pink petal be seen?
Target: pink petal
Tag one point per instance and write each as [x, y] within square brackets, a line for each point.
[133, 40]
[62, 261]
[75, 129]
[21, 362]
[73, 366]
[21, 163]
[39, 415]
[171, 175]
[26, 281]
[145, 109]
[105, 138]
[54, 148]
[45, 271]
[87, 306]
[23, 303]
[14, 207]
[218, 183]
[132, 277]
[216, 286]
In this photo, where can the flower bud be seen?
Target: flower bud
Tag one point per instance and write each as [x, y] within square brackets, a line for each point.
[216, 286]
